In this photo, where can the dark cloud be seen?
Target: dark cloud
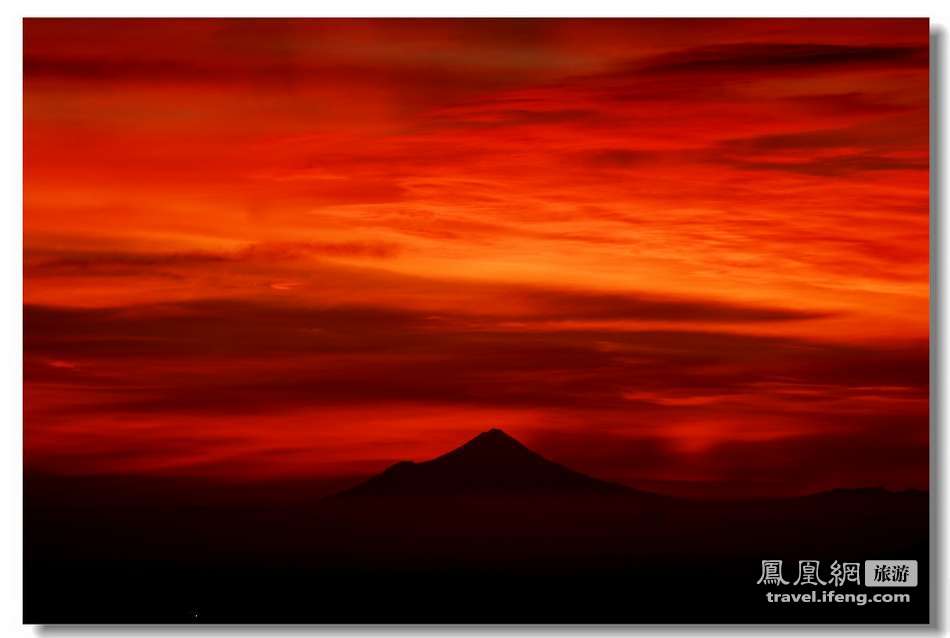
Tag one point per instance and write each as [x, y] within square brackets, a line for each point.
[496, 114]
[745, 58]
[564, 304]
[852, 103]
[618, 157]
[717, 74]
[229, 356]
[260, 328]
[829, 152]
[119, 264]
[837, 166]
[230, 71]
[805, 140]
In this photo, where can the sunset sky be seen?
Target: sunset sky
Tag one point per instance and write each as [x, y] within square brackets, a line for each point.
[686, 255]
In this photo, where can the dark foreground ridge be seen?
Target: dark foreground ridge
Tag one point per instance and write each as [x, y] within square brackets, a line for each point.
[490, 532]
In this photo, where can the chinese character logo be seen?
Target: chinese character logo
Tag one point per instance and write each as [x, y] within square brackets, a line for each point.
[808, 573]
[842, 573]
[771, 573]
[891, 573]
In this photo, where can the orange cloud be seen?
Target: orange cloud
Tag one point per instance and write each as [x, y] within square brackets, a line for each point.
[706, 238]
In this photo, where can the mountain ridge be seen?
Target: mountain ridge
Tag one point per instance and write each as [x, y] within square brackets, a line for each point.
[492, 462]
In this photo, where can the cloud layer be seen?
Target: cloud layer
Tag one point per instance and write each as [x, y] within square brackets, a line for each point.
[690, 254]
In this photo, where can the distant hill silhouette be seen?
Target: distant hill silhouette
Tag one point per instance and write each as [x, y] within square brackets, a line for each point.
[488, 532]
[491, 463]
[493, 501]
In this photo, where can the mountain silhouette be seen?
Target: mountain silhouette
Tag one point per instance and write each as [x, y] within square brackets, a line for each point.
[494, 501]
[491, 463]
[488, 532]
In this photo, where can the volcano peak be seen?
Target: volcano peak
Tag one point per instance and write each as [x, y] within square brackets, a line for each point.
[491, 462]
